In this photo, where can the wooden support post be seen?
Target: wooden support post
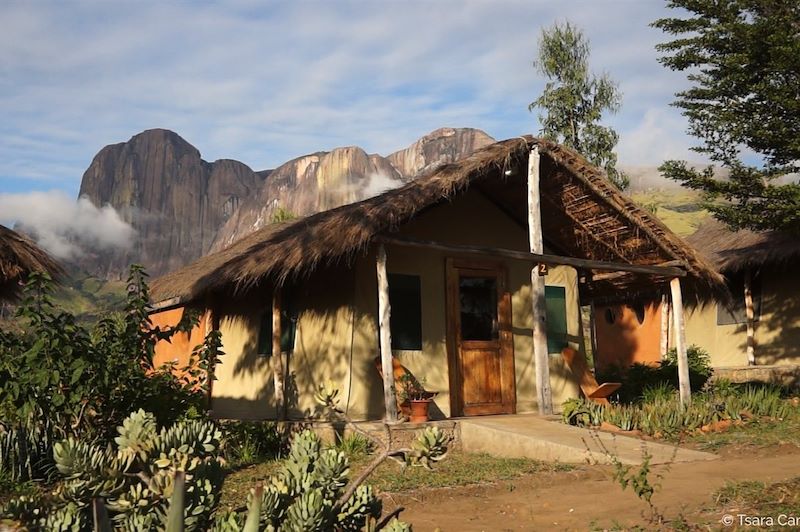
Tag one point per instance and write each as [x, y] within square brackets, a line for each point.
[385, 334]
[213, 324]
[277, 356]
[750, 313]
[593, 332]
[544, 395]
[680, 342]
[664, 347]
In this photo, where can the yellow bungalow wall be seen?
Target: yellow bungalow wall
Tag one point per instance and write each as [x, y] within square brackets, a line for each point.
[337, 335]
[777, 332]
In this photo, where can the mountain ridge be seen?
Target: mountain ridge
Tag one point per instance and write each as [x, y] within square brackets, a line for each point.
[183, 207]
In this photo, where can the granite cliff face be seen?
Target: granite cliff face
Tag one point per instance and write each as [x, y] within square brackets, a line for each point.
[444, 145]
[325, 180]
[174, 200]
[182, 207]
[310, 184]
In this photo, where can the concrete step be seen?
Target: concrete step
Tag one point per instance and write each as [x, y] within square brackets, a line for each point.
[531, 436]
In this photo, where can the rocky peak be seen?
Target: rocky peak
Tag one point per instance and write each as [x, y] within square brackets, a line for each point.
[309, 184]
[441, 146]
[174, 199]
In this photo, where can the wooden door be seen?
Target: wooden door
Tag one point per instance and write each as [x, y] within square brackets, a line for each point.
[480, 344]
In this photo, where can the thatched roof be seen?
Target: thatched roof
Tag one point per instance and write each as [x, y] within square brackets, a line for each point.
[19, 257]
[735, 251]
[583, 215]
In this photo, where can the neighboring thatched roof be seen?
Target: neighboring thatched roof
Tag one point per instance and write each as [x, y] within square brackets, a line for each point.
[735, 251]
[583, 215]
[19, 257]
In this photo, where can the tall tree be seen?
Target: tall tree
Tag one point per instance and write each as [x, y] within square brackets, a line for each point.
[574, 99]
[743, 59]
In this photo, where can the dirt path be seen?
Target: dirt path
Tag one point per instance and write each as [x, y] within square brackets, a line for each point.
[588, 497]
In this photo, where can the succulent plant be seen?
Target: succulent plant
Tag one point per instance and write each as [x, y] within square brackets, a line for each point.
[169, 479]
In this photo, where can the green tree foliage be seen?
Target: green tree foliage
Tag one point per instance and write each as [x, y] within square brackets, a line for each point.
[574, 100]
[743, 59]
[60, 378]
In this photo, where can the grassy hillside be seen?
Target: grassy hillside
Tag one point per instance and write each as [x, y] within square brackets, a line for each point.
[679, 209]
[86, 297]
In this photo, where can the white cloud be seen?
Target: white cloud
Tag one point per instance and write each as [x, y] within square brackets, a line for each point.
[63, 226]
[265, 82]
[657, 137]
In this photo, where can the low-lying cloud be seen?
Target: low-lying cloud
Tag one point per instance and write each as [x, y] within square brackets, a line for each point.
[66, 228]
[378, 183]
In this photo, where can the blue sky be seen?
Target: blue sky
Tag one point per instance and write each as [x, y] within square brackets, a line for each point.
[263, 82]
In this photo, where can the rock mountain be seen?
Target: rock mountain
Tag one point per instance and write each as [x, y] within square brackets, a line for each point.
[182, 207]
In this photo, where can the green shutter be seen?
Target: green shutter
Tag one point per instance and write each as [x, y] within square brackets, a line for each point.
[288, 329]
[556, 300]
[405, 321]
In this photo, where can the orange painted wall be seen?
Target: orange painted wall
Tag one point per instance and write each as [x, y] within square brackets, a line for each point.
[180, 347]
[626, 341]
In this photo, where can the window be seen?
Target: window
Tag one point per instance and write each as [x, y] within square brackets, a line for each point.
[556, 301]
[406, 317]
[288, 328]
[478, 302]
[736, 312]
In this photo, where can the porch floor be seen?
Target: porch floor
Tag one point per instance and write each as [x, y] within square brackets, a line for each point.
[532, 436]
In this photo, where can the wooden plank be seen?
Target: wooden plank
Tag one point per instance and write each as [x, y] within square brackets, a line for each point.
[750, 314]
[680, 342]
[385, 334]
[544, 394]
[551, 260]
[453, 319]
[509, 375]
[277, 356]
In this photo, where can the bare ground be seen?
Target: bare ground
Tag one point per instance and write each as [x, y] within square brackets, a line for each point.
[589, 498]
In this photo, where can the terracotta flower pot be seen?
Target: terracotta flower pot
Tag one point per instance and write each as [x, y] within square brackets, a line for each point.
[419, 410]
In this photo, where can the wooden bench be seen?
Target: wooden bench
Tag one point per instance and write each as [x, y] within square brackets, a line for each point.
[596, 392]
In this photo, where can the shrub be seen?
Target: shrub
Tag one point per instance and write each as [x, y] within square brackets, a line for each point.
[60, 378]
[639, 377]
[354, 445]
[699, 360]
[247, 442]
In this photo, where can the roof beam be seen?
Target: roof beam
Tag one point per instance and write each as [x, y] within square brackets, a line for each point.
[552, 260]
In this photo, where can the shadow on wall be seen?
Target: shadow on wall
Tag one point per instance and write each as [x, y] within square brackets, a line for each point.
[329, 345]
[777, 332]
[618, 334]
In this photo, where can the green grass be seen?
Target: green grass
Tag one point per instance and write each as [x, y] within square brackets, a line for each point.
[678, 209]
[755, 433]
[758, 498]
[457, 469]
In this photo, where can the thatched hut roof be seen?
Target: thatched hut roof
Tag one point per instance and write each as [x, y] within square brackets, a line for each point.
[19, 257]
[735, 251]
[583, 215]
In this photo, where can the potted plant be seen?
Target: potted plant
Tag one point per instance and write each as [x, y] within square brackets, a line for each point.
[415, 400]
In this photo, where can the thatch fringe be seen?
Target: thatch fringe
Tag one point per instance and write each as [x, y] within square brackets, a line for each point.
[19, 257]
[614, 229]
[735, 251]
